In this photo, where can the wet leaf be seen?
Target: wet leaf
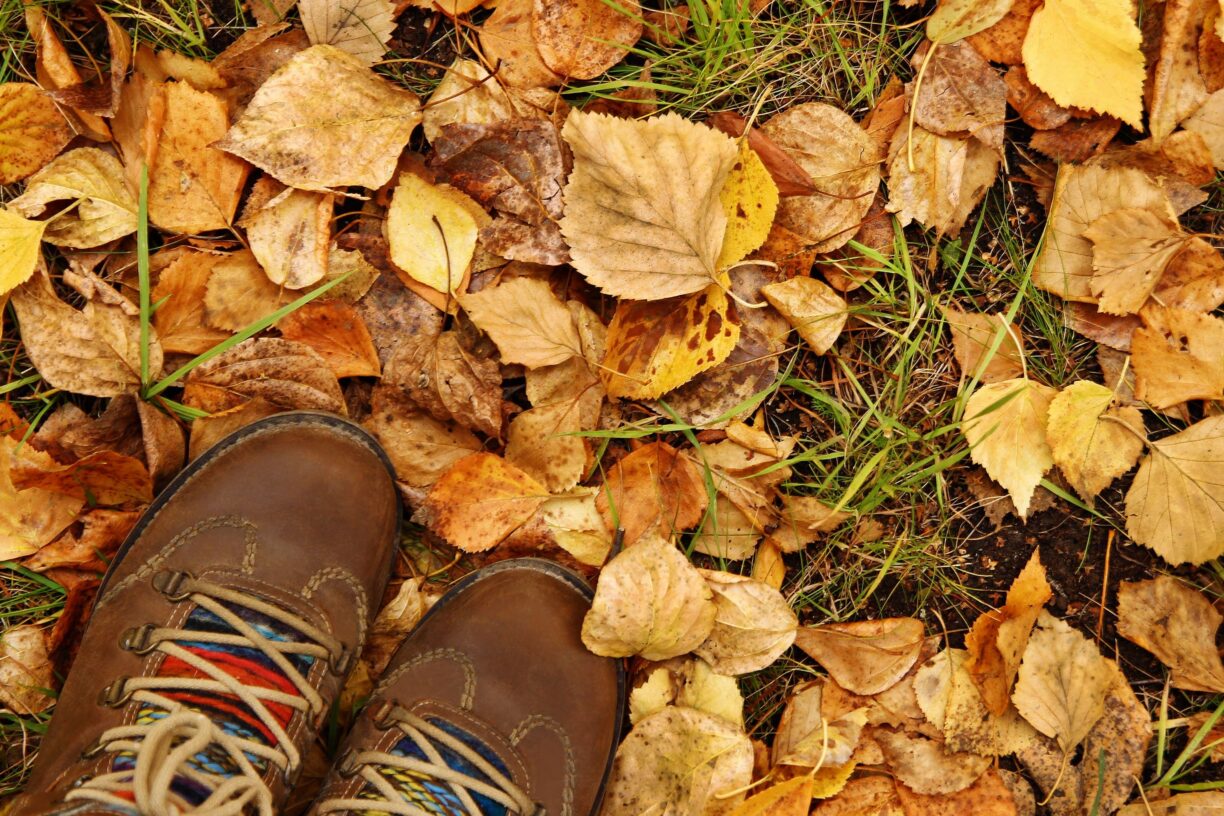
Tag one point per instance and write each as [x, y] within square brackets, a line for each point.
[528, 322]
[336, 331]
[1178, 625]
[1005, 425]
[358, 27]
[93, 181]
[1178, 355]
[289, 375]
[32, 132]
[753, 627]
[27, 678]
[289, 233]
[30, 519]
[1087, 438]
[581, 39]
[865, 657]
[479, 501]
[653, 488]
[813, 308]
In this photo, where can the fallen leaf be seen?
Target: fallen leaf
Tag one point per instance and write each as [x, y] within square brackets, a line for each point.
[838, 154]
[956, 19]
[768, 566]
[1197, 803]
[27, 679]
[1178, 625]
[863, 796]
[507, 41]
[324, 120]
[865, 657]
[807, 738]
[1208, 122]
[727, 532]
[238, 293]
[649, 601]
[804, 520]
[20, 249]
[753, 627]
[961, 94]
[949, 177]
[1087, 438]
[787, 175]
[165, 447]
[704, 689]
[576, 526]
[1177, 88]
[291, 376]
[104, 478]
[1194, 279]
[209, 430]
[974, 338]
[1082, 194]
[1086, 55]
[541, 441]
[653, 488]
[576, 380]
[1005, 425]
[987, 796]
[193, 186]
[580, 39]
[654, 346]
[102, 531]
[813, 308]
[926, 766]
[730, 389]
[1077, 140]
[95, 351]
[680, 760]
[251, 59]
[392, 624]
[289, 233]
[29, 519]
[750, 201]
[998, 638]
[468, 95]
[447, 380]
[358, 27]
[93, 181]
[1062, 683]
[1177, 355]
[180, 318]
[1034, 105]
[1003, 41]
[420, 447]
[55, 71]
[336, 331]
[431, 230]
[32, 133]
[642, 216]
[529, 324]
[790, 798]
[1130, 250]
[517, 169]
[479, 501]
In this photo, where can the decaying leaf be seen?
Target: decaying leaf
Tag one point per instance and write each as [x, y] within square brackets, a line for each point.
[987, 347]
[529, 324]
[358, 27]
[1208, 122]
[1076, 140]
[209, 430]
[431, 231]
[956, 19]
[336, 331]
[289, 233]
[680, 760]
[949, 177]
[1178, 625]
[448, 380]
[816, 311]
[507, 42]
[92, 180]
[960, 94]
[20, 249]
[1087, 438]
[1177, 88]
[27, 678]
[926, 766]
[238, 293]
[324, 120]
[479, 501]
[581, 39]
[865, 657]
[289, 375]
[421, 447]
[987, 796]
[1062, 683]
[180, 319]
[650, 601]
[727, 533]
[806, 738]
[1178, 355]
[1086, 55]
[543, 443]
[1005, 425]
[102, 531]
[753, 627]
[1034, 105]
[642, 215]
[32, 133]
[392, 624]
[1003, 41]
[653, 488]
[1130, 250]
[29, 519]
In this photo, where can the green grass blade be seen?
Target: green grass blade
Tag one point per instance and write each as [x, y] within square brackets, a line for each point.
[142, 272]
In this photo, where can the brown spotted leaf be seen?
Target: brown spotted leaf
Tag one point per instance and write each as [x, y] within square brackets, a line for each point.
[479, 501]
[289, 375]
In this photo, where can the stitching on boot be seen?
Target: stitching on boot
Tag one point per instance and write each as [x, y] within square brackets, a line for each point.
[469, 672]
[340, 574]
[535, 721]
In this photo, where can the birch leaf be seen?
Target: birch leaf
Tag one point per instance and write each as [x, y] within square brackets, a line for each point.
[431, 231]
[290, 234]
[1087, 440]
[480, 501]
[32, 130]
[529, 324]
[93, 180]
[753, 627]
[358, 27]
[20, 240]
[1178, 625]
[1178, 355]
[642, 213]
[815, 311]
[865, 657]
[1130, 249]
[1005, 424]
[956, 19]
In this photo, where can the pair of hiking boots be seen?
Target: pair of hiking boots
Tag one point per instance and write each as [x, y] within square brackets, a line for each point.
[227, 624]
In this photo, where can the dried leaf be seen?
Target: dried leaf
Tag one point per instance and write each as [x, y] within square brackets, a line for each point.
[652, 489]
[1034, 105]
[336, 331]
[949, 177]
[1005, 425]
[93, 181]
[56, 71]
[479, 501]
[420, 447]
[787, 175]
[956, 19]
[1087, 438]
[1194, 279]
[790, 798]
[507, 41]
[1002, 42]
[848, 268]
[988, 796]
[239, 293]
[20, 249]
[581, 39]
[165, 448]
[1208, 122]
[30, 519]
[324, 120]
[974, 335]
[576, 526]
[447, 380]
[101, 534]
[1177, 89]
[541, 441]
[468, 95]
[1178, 625]
[1178, 355]
[181, 288]
[27, 678]
[650, 601]
[1077, 140]
[960, 94]
[642, 215]
[431, 230]
[727, 532]
[527, 322]
[1086, 54]
[1130, 250]
[813, 308]
[804, 520]
[358, 27]
[809, 737]
[289, 375]
[103, 478]
[865, 657]
[753, 627]
[208, 431]
[863, 796]
[32, 132]
[392, 624]
[926, 766]
[289, 233]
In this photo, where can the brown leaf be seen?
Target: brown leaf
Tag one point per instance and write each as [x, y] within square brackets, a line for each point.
[1178, 625]
[887, 115]
[32, 132]
[289, 375]
[29, 519]
[117, 430]
[1194, 279]
[27, 681]
[973, 336]
[289, 232]
[181, 289]
[420, 447]
[1177, 88]
[1077, 140]
[581, 39]
[1002, 42]
[988, 796]
[1114, 331]
[102, 478]
[847, 269]
[652, 489]
[863, 796]
[479, 501]
[961, 94]
[165, 448]
[208, 431]
[1034, 105]
[804, 520]
[101, 534]
[336, 331]
[809, 736]
[1178, 355]
[516, 168]
[541, 442]
[949, 177]
[251, 59]
[791, 179]
[56, 71]
[393, 312]
[507, 42]
[928, 768]
[865, 657]
[448, 381]
[468, 95]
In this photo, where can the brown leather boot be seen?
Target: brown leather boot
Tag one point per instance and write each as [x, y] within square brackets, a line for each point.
[224, 628]
[492, 706]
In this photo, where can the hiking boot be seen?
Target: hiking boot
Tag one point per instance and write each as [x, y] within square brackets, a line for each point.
[492, 706]
[225, 628]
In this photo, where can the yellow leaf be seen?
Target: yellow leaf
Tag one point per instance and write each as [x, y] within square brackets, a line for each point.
[1087, 439]
[1178, 355]
[481, 500]
[816, 311]
[1176, 503]
[865, 657]
[1086, 54]
[956, 19]
[324, 120]
[642, 215]
[1005, 425]
[431, 232]
[358, 27]
[421, 447]
[706, 690]
[973, 336]
[529, 324]
[753, 627]
[289, 233]
[750, 200]
[32, 130]
[790, 798]
[29, 519]
[1178, 625]
[653, 696]
[19, 246]
[727, 533]
[576, 526]
[93, 181]
[657, 345]
[1131, 248]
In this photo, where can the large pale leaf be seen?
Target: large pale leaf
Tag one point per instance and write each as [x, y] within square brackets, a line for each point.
[642, 213]
[1178, 625]
[948, 178]
[32, 130]
[865, 657]
[1130, 249]
[1178, 355]
[753, 627]
[479, 501]
[529, 324]
[92, 180]
[1086, 54]
[1092, 441]
[324, 120]
[20, 240]
[1176, 503]
[649, 601]
[1005, 424]
[358, 27]
[926, 766]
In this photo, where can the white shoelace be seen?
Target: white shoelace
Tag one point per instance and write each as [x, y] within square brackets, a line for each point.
[164, 748]
[497, 786]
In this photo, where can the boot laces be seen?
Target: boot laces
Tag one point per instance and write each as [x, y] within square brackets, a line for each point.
[385, 798]
[166, 748]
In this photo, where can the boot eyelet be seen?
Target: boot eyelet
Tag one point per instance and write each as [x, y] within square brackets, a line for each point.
[136, 639]
[84, 778]
[381, 715]
[93, 751]
[347, 765]
[170, 583]
[116, 694]
[341, 663]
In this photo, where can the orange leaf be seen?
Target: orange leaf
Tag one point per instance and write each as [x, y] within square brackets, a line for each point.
[336, 331]
[652, 488]
[103, 478]
[481, 500]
